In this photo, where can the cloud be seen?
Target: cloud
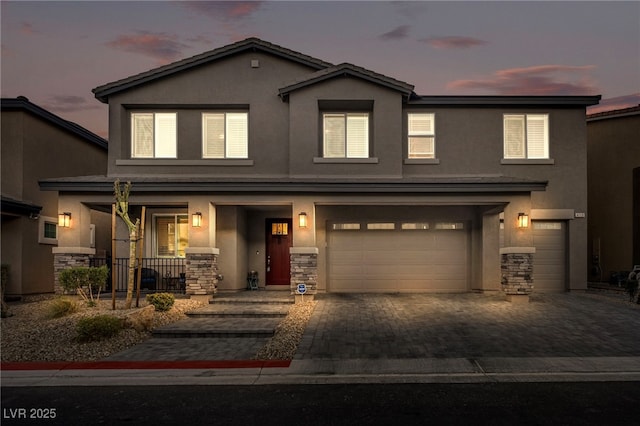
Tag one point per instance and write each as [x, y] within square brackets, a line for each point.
[536, 80]
[619, 102]
[398, 33]
[27, 28]
[67, 103]
[163, 47]
[223, 10]
[453, 42]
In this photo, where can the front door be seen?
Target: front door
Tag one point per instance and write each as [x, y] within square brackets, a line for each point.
[278, 241]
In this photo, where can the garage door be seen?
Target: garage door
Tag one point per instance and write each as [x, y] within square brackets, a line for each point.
[398, 257]
[550, 258]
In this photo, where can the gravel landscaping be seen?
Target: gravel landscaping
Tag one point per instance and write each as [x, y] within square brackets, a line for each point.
[30, 334]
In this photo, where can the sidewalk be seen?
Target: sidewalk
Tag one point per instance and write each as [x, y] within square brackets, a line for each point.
[414, 338]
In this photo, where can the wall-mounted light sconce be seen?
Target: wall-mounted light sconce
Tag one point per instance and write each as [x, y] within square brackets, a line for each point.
[196, 220]
[523, 220]
[64, 220]
[302, 220]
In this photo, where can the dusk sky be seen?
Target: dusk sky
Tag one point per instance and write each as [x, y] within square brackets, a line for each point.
[54, 53]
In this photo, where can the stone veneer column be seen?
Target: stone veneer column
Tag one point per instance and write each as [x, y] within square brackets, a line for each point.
[516, 264]
[304, 269]
[66, 258]
[201, 272]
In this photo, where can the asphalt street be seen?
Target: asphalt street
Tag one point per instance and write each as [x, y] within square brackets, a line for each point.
[600, 403]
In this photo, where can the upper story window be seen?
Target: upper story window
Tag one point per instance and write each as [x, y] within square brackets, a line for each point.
[421, 135]
[345, 135]
[225, 135]
[526, 136]
[153, 135]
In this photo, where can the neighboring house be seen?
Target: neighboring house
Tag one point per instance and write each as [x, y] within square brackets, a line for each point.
[253, 157]
[613, 148]
[37, 144]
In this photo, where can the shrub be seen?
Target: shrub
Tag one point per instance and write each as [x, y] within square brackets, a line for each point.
[161, 301]
[85, 281]
[61, 307]
[98, 327]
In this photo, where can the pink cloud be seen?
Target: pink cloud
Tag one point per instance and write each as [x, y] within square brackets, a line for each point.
[453, 42]
[27, 29]
[619, 102]
[223, 10]
[398, 33]
[536, 80]
[67, 103]
[161, 46]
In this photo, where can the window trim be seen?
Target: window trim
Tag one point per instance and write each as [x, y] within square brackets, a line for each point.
[225, 156]
[42, 220]
[156, 245]
[132, 114]
[526, 136]
[346, 158]
[419, 135]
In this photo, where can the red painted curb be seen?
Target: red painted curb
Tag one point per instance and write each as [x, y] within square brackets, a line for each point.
[142, 365]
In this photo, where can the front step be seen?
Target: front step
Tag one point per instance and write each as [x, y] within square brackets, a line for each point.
[240, 310]
[219, 327]
[226, 300]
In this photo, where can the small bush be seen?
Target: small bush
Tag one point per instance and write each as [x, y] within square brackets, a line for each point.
[98, 327]
[62, 307]
[85, 281]
[161, 301]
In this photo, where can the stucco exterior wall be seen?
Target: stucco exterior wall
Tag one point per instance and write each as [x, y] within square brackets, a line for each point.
[613, 153]
[34, 149]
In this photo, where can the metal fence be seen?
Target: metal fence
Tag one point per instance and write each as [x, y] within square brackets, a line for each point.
[157, 274]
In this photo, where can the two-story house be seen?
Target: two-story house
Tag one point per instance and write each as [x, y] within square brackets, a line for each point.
[38, 144]
[254, 157]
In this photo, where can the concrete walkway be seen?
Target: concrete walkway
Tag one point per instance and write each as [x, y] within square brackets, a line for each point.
[407, 338]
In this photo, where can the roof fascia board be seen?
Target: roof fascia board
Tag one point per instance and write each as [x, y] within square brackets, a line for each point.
[24, 104]
[303, 187]
[103, 92]
[505, 100]
[284, 92]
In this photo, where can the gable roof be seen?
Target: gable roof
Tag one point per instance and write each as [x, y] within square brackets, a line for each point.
[346, 69]
[103, 92]
[22, 103]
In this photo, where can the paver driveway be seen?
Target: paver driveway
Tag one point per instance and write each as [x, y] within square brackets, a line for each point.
[348, 326]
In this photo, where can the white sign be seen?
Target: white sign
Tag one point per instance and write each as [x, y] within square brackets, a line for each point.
[302, 288]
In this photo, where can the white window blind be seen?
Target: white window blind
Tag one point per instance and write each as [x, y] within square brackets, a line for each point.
[153, 135]
[514, 136]
[346, 135]
[357, 135]
[421, 135]
[537, 143]
[225, 135]
[526, 136]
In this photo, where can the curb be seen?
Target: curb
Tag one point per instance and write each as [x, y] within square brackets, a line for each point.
[142, 365]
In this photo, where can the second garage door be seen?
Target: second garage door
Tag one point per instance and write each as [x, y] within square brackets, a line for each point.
[398, 257]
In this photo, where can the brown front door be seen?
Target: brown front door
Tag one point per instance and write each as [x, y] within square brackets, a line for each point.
[278, 241]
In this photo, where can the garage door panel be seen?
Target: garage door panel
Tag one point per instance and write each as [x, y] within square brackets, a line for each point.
[550, 257]
[400, 260]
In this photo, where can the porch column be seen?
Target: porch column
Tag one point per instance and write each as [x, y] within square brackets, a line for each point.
[304, 269]
[201, 272]
[68, 257]
[516, 264]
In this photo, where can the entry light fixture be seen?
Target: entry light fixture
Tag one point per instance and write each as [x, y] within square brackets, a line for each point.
[196, 220]
[523, 220]
[64, 220]
[302, 220]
